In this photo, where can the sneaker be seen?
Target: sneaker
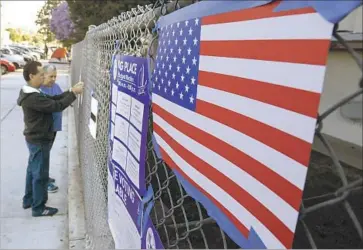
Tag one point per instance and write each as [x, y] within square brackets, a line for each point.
[26, 206]
[47, 211]
[51, 180]
[52, 188]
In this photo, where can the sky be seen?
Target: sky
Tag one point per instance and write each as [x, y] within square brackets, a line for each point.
[20, 14]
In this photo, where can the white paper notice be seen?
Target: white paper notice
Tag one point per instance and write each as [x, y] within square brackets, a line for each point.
[113, 112]
[119, 153]
[112, 131]
[94, 106]
[137, 113]
[126, 235]
[122, 129]
[132, 170]
[114, 93]
[134, 143]
[124, 105]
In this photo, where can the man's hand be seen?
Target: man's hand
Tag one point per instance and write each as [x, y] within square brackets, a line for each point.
[78, 88]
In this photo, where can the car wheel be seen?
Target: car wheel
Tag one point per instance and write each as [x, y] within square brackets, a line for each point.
[4, 69]
[16, 65]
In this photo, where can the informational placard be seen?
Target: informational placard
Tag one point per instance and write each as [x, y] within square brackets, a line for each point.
[129, 113]
[93, 117]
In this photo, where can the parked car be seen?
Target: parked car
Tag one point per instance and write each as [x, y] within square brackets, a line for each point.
[17, 60]
[36, 56]
[6, 66]
[16, 51]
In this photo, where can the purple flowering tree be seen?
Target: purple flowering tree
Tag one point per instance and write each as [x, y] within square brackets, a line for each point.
[60, 23]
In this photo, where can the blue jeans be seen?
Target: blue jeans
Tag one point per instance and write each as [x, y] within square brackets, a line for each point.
[37, 176]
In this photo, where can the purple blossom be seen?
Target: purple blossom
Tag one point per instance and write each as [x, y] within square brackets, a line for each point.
[60, 23]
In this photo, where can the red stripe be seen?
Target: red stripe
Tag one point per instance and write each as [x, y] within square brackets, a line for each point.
[293, 51]
[296, 100]
[289, 145]
[287, 191]
[257, 209]
[264, 11]
[240, 227]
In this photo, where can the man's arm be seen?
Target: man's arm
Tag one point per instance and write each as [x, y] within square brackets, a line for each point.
[58, 97]
[45, 104]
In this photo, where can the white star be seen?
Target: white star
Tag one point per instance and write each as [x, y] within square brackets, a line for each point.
[154, 71]
[165, 50]
[190, 31]
[193, 80]
[196, 21]
[176, 41]
[159, 87]
[182, 78]
[167, 58]
[157, 65]
[194, 60]
[165, 89]
[169, 82]
[164, 42]
[179, 50]
[189, 51]
[169, 42]
[181, 32]
[171, 50]
[159, 72]
[153, 85]
[188, 70]
[181, 95]
[185, 41]
[178, 24]
[163, 65]
[186, 88]
[191, 99]
[173, 33]
[177, 85]
[166, 73]
[173, 76]
[177, 68]
[195, 41]
[172, 92]
[174, 58]
[183, 59]
[162, 80]
[170, 66]
[156, 78]
[161, 57]
[186, 23]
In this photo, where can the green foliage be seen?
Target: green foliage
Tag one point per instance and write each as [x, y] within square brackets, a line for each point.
[43, 20]
[15, 35]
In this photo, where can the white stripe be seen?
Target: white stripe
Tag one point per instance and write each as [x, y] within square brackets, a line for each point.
[286, 167]
[295, 124]
[245, 217]
[280, 208]
[303, 26]
[293, 75]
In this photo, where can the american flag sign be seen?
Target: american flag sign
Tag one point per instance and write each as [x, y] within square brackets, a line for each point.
[235, 101]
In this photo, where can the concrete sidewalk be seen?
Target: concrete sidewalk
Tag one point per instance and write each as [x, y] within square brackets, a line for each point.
[18, 228]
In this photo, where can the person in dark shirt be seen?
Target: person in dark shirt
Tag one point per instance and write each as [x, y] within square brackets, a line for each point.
[38, 108]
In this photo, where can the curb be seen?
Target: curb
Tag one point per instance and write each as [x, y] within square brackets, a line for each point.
[76, 212]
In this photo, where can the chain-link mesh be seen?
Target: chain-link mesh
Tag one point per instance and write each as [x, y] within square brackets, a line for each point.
[331, 213]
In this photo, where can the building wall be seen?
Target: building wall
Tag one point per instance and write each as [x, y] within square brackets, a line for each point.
[341, 79]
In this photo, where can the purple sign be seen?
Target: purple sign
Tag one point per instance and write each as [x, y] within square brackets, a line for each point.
[128, 196]
[130, 119]
[150, 238]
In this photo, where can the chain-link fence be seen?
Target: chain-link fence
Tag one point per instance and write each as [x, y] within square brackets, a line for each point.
[331, 215]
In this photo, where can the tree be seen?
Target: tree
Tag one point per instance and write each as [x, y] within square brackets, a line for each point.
[96, 12]
[15, 35]
[43, 19]
[26, 37]
[60, 23]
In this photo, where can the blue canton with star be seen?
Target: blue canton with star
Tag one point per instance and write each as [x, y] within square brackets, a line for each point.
[175, 76]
